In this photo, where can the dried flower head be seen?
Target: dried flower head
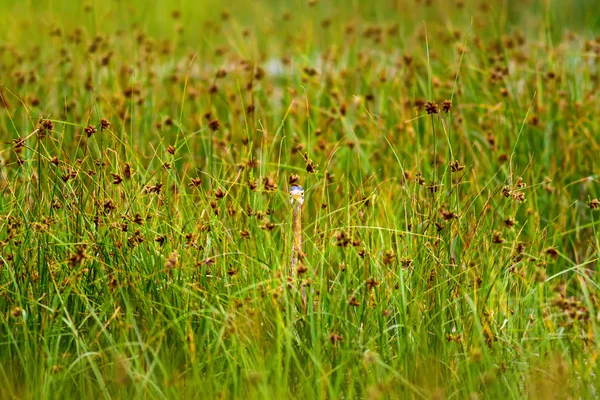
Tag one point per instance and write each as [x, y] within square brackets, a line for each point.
[269, 184]
[104, 124]
[90, 130]
[431, 107]
[447, 106]
[44, 126]
[456, 167]
[214, 124]
[293, 180]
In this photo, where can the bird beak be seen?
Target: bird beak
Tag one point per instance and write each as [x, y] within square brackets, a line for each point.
[297, 197]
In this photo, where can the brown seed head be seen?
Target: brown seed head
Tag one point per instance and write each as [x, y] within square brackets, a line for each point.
[127, 171]
[497, 238]
[447, 106]
[195, 182]
[448, 215]
[214, 124]
[311, 168]
[456, 167]
[372, 283]
[171, 261]
[269, 184]
[552, 252]
[431, 107]
[334, 337]
[219, 194]
[116, 179]
[90, 130]
[104, 124]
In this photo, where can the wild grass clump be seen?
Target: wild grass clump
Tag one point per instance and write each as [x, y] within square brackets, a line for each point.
[448, 154]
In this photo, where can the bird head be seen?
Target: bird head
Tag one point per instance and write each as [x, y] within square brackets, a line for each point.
[296, 195]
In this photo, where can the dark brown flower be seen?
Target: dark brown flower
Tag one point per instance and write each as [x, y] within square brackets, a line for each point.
[293, 180]
[301, 269]
[431, 107]
[433, 188]
[448, 215]
[447, 106]
[219, 194]
[372, 283]
[137, 218]
[497, 238]
[552, 252]
[171, 261]
[116, 179]
[214, 124]
[44, 126]
[342, 238]
[456, 167]
[334, 337]
[195, 182]
[90, 130]
[311, 168]
[104, 124]
[269, 184]
[518, 196]
[127, 171]
[267, 226]
[509, 222]
[389, 257]
[252, 184]
[221, 73]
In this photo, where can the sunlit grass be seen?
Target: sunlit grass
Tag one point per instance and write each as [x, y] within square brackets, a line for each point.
[448, 153]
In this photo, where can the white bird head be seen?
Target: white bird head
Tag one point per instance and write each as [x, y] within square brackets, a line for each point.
[296, 195]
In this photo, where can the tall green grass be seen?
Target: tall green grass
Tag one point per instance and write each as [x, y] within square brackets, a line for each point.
[449, 255]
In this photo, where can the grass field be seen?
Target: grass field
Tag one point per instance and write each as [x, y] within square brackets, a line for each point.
[449, 152]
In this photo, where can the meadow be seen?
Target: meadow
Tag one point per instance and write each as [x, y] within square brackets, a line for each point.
[448, 151]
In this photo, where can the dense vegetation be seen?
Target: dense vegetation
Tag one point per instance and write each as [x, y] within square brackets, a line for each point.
[449, 155]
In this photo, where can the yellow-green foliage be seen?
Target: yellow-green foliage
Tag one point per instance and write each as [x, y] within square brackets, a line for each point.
[449, 152]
